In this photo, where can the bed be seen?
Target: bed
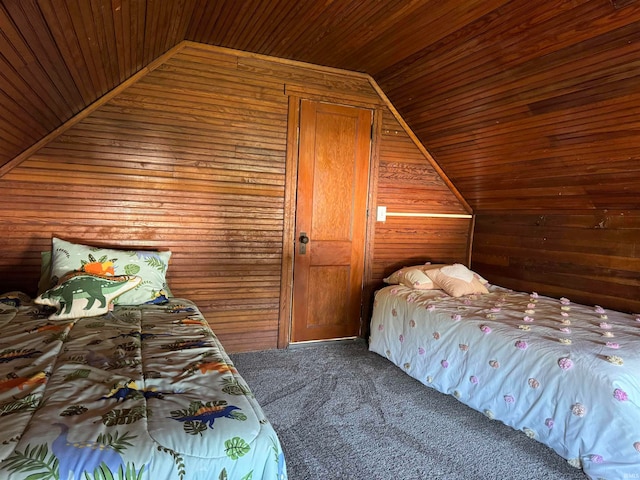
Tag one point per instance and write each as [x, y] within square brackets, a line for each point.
[565, 374]
[138, 391]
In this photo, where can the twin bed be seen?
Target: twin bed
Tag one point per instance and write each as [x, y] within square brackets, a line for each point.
[106, 375]
[93, 389]
[565, 374]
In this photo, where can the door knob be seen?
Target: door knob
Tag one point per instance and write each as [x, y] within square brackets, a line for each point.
[303, 243]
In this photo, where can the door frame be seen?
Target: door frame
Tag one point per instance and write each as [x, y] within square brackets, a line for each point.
[290, 198]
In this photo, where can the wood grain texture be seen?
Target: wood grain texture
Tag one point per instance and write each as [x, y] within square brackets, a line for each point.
[541, 125]
[526, 106]
[333, 179]
[591, 258]
[406, 182]
[191, 157]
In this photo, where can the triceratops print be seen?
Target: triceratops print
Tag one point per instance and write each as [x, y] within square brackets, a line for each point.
[200, 415]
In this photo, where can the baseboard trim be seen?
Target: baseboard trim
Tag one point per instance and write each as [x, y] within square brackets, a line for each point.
[328, 340]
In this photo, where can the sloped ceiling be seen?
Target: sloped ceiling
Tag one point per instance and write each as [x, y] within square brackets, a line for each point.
[526, 104]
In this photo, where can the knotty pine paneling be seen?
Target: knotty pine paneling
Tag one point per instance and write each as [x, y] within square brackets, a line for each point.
[191, 158]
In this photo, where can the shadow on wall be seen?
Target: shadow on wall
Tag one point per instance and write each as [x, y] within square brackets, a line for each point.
[24, 272]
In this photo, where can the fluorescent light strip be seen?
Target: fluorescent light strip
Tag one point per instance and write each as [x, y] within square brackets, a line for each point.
[432, 215]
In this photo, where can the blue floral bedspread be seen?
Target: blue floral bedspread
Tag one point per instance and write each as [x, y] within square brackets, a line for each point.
[139, 393]
[567, 375]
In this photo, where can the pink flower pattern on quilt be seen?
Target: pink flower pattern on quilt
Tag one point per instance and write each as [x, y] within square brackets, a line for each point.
[500, 315]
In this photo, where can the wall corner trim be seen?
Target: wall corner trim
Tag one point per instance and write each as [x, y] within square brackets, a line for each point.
[90, 109]
[420, 146]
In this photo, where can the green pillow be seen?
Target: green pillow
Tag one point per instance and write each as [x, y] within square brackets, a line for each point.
[85, 295]
[150, 266]
[45, 282]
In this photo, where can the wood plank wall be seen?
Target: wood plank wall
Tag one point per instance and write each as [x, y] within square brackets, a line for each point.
[192, 158]
[408, 184]
[532, 110]
[589, 257]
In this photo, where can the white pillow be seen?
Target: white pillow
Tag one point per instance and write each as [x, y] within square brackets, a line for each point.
[456, 287]
[459, 271]
[412, 277]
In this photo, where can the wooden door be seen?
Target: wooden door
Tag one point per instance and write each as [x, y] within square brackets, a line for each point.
[333, 174]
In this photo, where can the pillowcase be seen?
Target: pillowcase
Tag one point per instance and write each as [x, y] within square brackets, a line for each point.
[458, 271]
[45, 282]
[456, 285]
[413, 277]
[85, 295]
[416, 278]
[150, 266]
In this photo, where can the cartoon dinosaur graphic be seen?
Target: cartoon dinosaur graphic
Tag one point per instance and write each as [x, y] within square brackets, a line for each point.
[190, 321]
[23, 382]
[186, 344]
[159, 297]
[205, 367]
[207, 414]
[220, 367]
[101, 268]
[73, 456]
[130, 390]
[17, 353]
[48, 327]
[141, 336]
[93, 288]
[180, 309]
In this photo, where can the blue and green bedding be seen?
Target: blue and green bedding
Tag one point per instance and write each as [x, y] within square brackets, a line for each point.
[565, 374]
[141, 392]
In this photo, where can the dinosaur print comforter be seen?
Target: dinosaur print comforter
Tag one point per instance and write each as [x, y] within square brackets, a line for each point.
[142, 392]
[565, 374]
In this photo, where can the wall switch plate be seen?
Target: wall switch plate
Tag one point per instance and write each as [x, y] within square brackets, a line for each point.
[381, 215]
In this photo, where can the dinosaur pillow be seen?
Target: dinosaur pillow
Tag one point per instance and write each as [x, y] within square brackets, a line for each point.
[85, 295]
[150, 266]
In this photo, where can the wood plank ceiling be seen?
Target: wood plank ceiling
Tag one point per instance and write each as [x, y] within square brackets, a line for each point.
[525, 104]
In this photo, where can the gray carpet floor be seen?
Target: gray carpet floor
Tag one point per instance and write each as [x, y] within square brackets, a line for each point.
[343, 413]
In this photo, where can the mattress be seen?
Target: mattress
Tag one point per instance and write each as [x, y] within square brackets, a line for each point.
[565, 374]
[144, 392]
